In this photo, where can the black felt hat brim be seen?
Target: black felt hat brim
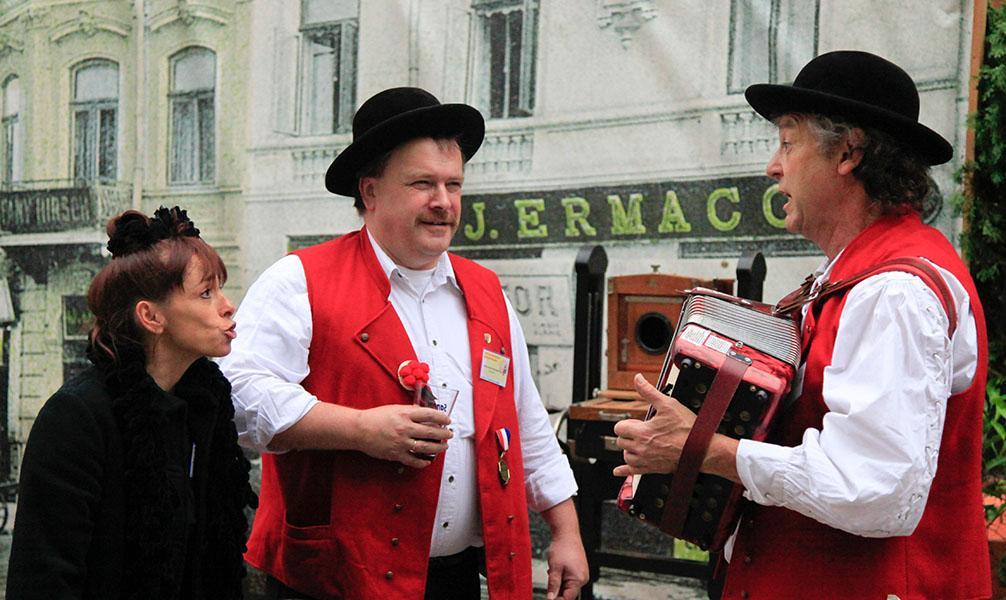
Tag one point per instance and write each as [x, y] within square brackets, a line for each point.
[442, 120]
[771, 101]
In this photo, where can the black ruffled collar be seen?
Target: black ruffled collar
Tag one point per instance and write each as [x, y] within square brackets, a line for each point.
[152, 556]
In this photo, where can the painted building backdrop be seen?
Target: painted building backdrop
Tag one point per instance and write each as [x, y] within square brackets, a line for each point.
[613, 122]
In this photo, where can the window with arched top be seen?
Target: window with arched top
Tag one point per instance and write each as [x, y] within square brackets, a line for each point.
[95, 109]
[193, 121]
[11, 159]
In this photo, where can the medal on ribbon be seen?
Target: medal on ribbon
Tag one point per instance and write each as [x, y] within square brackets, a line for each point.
[503, 442]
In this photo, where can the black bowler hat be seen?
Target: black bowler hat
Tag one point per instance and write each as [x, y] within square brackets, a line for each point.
[396, 116]
[861, 88]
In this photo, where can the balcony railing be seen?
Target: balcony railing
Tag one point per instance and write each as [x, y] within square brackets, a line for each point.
[504, 153]
[310, 164]
[60, 205]
[746, 132]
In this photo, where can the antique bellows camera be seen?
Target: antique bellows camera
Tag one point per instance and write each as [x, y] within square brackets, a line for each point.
[731, 361]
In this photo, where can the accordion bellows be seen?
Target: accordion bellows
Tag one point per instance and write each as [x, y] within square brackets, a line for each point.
[742, 359]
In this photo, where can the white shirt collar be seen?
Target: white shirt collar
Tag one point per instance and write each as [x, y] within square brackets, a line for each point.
[442, 272]
[824, 270]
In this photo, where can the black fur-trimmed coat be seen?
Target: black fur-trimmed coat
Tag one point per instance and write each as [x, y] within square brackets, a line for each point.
[128, 492]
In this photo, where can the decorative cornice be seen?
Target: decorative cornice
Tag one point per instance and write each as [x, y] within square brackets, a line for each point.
[9, 44]
[35, 18]
[187, 13]
[625, 17]
[88, 25]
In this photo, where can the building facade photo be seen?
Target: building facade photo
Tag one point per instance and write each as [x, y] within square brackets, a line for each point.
[619, 123]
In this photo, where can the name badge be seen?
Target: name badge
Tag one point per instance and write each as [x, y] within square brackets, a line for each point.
[494, 367]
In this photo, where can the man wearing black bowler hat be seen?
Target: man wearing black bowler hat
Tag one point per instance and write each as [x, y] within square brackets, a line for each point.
[870, 487]
[364, 494]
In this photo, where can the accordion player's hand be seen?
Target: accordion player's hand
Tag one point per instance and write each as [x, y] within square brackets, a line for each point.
[654, 445]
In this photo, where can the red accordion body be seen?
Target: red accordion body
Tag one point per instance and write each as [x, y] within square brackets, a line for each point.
[732, 363]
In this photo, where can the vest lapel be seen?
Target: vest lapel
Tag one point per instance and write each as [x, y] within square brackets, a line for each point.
[384, 338]
[484, 393]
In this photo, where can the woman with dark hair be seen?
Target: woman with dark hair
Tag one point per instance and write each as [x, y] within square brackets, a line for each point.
[132, 484]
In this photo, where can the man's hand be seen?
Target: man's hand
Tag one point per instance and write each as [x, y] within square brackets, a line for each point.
[402, 433]
[654, 446]
[567, 561]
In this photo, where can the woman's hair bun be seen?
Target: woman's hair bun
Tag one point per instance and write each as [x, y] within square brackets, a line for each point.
[133, 231]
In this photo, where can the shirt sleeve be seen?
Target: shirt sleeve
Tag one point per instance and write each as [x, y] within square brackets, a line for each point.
[548, 479]
[268, 359]
[869, 469]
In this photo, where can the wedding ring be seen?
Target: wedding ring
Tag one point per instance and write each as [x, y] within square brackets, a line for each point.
[412, 450]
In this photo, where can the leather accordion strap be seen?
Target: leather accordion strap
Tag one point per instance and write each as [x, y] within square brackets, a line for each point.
[908, 264]
[718, 398]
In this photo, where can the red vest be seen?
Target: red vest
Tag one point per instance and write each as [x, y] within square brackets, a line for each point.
[343, 525]
[782, 554]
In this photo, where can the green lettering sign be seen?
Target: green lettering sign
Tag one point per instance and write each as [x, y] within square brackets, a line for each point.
[626, 222]
[475, 233]
[673, 219]
[766, 208]
[528, 223]
[577, 210]
[733, 196]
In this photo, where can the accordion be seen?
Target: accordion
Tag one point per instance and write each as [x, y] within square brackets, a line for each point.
[731, 362]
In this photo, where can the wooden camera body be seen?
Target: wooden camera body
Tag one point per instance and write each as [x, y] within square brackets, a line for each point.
[643, 312]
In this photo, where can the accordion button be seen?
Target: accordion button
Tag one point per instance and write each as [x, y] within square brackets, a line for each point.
[364, 337]
[398, 508]
[389, 575]
[707, 516]
[745, 416]
[394, 541]
[509, 518]
[659, 503]
[747, 559]
[711, 502]
[739, 430]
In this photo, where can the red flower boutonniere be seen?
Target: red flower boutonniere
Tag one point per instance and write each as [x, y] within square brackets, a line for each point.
[413, 375]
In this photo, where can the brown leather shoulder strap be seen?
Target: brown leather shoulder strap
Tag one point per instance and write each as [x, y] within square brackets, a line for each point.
[913, 265]
[919, 267]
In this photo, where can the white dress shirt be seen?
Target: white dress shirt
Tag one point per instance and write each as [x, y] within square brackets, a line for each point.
[269, 359]
[869, 468]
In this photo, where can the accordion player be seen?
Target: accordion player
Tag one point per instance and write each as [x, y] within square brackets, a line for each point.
[731, 361]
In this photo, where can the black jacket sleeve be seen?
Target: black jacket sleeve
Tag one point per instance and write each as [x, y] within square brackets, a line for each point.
[61, 486]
